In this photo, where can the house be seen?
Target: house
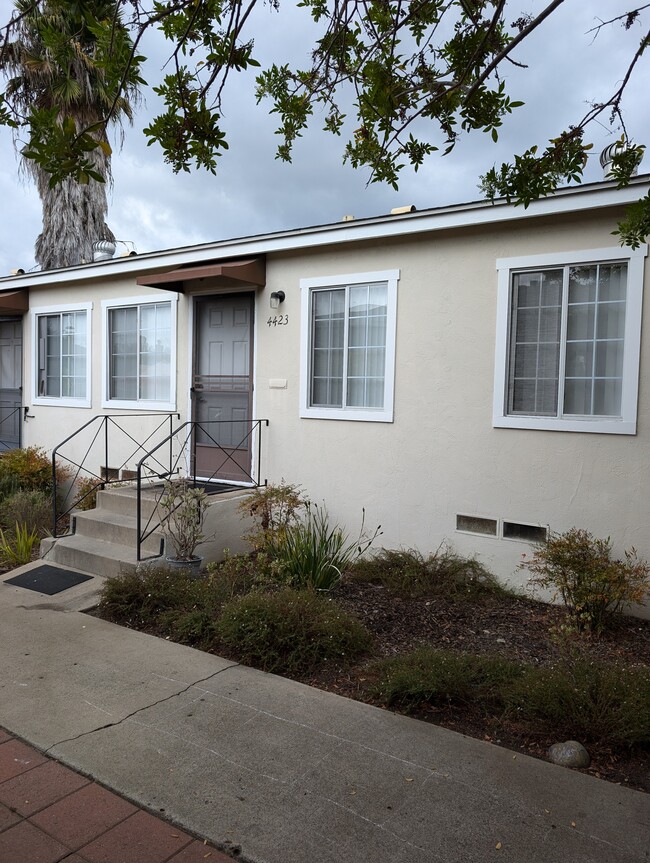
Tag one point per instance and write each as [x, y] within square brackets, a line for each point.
[472, 373]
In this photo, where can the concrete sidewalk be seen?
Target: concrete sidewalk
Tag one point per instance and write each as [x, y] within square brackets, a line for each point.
[271, 770]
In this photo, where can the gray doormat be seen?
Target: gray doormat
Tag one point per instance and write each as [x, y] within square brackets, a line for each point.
[48, 579]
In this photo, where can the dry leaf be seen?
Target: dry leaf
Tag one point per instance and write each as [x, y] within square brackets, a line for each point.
[498, 846]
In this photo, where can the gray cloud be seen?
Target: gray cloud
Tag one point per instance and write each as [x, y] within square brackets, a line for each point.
[253, 192]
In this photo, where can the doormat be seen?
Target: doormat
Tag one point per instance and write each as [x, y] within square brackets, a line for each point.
[48, 579]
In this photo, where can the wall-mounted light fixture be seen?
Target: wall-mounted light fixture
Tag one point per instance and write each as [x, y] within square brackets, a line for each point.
[277, 297]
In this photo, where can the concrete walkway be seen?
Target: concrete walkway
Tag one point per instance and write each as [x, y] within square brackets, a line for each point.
[273, 771]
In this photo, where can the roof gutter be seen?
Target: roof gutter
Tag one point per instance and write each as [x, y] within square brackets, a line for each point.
[574, 199]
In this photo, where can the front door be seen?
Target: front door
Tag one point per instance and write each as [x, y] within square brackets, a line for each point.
[223, 387]
[11, 360]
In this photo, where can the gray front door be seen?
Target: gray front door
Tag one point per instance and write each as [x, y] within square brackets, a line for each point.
[11, 378]
[223, 386]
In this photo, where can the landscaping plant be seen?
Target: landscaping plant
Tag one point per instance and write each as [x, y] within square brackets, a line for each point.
[407, 572]
[184, 509]
[591, 583]
[313, 553]
[291, 632]
[31, 508]
[273, 508]
[17, 546]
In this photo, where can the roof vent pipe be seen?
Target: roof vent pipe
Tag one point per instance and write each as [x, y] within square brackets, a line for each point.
[616, 149]
[103, 250]
[398, 211]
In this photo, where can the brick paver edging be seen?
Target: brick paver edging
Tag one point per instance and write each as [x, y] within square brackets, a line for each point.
[50, 814]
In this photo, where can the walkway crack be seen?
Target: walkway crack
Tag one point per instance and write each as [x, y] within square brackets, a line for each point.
[139, 710]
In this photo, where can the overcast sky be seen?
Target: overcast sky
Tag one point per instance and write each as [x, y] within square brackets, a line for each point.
[252, 192]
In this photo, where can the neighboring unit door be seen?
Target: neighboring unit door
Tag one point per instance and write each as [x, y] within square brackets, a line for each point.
[11, 362]
[223, 387]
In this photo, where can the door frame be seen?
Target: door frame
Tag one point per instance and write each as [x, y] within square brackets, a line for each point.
[193, 356]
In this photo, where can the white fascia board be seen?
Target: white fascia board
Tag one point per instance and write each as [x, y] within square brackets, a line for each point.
[574, 199]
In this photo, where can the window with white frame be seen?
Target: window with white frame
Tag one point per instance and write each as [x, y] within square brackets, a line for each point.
[568, 337]
[140, 353]
[61, 336]
[348, 346]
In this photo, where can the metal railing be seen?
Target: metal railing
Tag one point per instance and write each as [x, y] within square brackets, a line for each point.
[106, 437]
[185, 438]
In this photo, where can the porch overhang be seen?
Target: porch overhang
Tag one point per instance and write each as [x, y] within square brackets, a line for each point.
[233, 275]
[14, 302]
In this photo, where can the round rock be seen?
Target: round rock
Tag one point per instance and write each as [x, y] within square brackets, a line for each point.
[569, 754]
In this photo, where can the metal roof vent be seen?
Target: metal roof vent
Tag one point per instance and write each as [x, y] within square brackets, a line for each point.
[103, 250]
[616, 149]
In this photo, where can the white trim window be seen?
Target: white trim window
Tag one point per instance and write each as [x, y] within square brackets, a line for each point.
[568, 341]
[61, 339]
[348, 325]
[140, 356]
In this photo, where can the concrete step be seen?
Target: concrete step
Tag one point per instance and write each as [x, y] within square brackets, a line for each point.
[94, 556]
[124, 500]
[116, 527]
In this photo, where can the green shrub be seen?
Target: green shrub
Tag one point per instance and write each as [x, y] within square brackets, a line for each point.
[29, 469]
[291, 632]
[175, 602]
[429, 676]
[273, 508]
[586, 700]
[592, 585]
[30, 508]
[443, 573]
[313, 553]
[17, 546]
[86, 489]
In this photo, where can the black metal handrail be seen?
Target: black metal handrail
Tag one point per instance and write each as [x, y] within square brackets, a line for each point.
[106, 427]
[186, 438]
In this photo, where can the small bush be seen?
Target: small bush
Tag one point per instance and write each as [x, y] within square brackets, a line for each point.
[174, 602]
[86, 489]
[29, 469]
[586, 700]
[17, 546]
[313, 553]
[291, 632]
[30, 508]
[428, 676]
[443, 573]
[592, 585]
[273, 508]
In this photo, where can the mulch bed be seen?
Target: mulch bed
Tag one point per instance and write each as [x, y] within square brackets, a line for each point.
[517, 629]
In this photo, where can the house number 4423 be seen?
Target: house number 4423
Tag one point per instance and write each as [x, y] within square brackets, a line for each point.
[278, 321]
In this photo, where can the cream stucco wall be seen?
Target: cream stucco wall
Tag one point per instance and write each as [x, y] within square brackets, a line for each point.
[440, 456]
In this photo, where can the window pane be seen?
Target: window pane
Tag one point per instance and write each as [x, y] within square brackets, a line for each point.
[612, 282]
[582, 284]
[607, 397]
[535, 343]
[328, 332]
[579, 359]
[611, 321]
[609, 359]
[577, 397]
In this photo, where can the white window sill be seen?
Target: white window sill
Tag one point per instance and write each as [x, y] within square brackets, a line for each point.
[596, 425]
[135, 405]
[378, 416]
[55, 402]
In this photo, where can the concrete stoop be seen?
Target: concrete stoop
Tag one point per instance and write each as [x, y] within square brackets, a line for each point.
[104, 540]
